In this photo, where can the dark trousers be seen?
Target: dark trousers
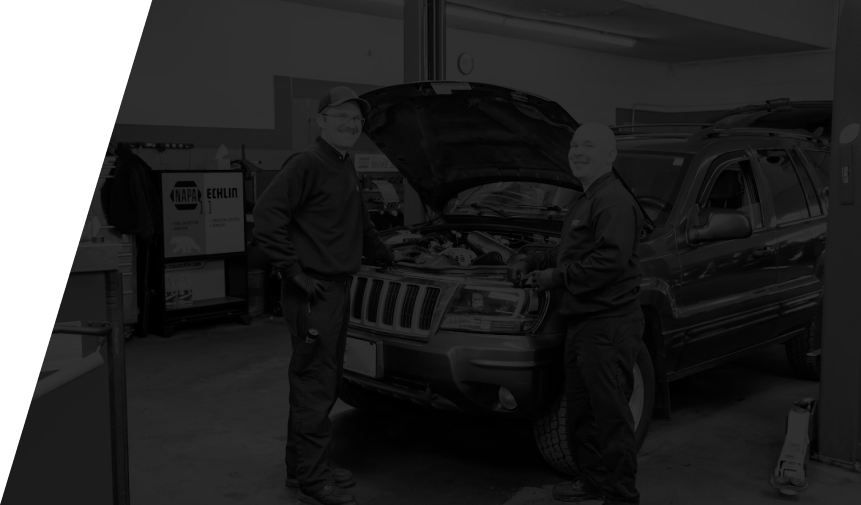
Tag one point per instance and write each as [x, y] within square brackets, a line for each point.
[315, 379]
[600, 354]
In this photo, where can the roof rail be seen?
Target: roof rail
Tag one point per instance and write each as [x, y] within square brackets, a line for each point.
[665, 135]
[616, 128]
[765, 132]
[764, 105]
[649, 125]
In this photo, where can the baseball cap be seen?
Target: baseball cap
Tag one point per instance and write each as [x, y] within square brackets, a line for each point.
[339, 95]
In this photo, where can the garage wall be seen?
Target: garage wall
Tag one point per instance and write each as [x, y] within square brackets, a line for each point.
[211, 63]
[589, 85]
[808, 76]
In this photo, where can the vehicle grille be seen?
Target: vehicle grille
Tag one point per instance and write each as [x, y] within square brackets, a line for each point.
[398, 306]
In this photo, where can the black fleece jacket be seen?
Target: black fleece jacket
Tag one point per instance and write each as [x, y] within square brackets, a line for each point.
[312, 218]
[597, 262]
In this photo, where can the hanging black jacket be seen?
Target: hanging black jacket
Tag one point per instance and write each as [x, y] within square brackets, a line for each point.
[130, 197]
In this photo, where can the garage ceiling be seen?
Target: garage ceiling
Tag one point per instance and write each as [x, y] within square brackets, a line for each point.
[663, 30]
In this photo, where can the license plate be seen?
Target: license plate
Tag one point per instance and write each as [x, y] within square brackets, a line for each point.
[360, 356]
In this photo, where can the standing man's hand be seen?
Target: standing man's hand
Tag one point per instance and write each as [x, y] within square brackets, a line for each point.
[399, 256]
[309, 286]
[518, 271]
[542, 279]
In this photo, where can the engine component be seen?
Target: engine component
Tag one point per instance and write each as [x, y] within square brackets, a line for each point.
[490, 258]
[462, 256]
[433, 260]
[484, 243]
[403, 236]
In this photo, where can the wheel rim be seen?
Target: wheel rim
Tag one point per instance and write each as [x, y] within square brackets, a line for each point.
[638, 397]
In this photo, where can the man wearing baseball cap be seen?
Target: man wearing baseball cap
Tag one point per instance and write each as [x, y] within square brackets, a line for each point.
[314, 228]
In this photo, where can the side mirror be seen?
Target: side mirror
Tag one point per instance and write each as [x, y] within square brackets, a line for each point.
[722, 224]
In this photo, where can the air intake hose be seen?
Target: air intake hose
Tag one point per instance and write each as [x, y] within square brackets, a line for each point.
[484, 244]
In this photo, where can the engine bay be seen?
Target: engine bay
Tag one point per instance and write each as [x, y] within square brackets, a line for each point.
[466, 249]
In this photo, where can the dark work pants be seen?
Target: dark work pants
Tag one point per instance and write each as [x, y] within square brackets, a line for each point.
[600, 354]
[315, 379]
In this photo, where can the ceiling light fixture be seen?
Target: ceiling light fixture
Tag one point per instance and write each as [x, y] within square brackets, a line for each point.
[603, 37]
[463, 12]
[538, 26]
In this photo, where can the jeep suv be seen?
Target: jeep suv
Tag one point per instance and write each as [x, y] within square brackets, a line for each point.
[732, 262]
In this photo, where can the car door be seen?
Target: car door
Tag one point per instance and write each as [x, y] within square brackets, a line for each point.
[728, 300]
[800, 228]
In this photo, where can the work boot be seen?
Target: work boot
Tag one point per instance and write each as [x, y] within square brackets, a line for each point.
[343, 478]
[327, 495]
[575, 491]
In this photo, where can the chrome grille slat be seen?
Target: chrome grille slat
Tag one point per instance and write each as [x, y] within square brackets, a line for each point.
[373, 301]
[391, 301]
[427, 308]
[394, 305]
[358, 298]
[409, 306]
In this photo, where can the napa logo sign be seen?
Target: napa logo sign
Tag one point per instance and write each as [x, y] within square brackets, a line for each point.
[185, 195]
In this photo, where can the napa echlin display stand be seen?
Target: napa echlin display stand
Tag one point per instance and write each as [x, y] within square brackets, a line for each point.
[74, 445]
[198, 271]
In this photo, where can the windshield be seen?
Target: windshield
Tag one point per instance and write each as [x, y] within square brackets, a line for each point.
[513, 199]
[655, 179]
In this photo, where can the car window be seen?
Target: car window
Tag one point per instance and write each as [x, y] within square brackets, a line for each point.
[732, 187]
[654, 179]
[783, 184]
[806, 184]
[821, 163]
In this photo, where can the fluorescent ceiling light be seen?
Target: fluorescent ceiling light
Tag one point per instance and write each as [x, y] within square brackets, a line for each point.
[463, 12]
[602, 37]
[539, 26]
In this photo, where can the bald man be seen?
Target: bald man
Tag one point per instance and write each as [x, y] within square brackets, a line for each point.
[597, 271]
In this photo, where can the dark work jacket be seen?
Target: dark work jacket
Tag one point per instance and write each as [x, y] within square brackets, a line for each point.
[130, 197]
[312, 218]
[596, 262]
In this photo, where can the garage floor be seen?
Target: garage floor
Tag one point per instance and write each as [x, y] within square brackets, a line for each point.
[207, 414]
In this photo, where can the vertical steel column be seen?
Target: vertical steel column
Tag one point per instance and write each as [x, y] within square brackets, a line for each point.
[840, 396]
[117, 387]
[424, 60]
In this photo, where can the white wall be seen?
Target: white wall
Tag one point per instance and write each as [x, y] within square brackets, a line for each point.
[211, 63]
[808, 76]
[588, 85]
[808, 21]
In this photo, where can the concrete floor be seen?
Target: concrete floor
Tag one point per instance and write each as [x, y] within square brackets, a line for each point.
[207, 424]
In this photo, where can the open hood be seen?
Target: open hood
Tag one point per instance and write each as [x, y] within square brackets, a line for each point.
[446, 137]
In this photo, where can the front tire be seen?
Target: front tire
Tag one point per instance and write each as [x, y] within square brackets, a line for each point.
[551, 431]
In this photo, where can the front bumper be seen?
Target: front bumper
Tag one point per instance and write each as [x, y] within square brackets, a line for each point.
[464, 371]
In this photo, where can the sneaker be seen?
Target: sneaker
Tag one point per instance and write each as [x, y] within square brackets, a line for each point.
[343, 478]
[575, 491]
[327, 495]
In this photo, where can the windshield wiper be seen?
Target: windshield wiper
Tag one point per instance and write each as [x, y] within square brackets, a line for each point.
[554, 208]
[478, 205]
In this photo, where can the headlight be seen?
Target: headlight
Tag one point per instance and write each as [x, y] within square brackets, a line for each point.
[494, 309]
